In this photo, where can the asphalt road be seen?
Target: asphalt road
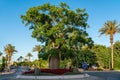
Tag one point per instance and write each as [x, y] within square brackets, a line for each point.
[11, 76]
[108, 75]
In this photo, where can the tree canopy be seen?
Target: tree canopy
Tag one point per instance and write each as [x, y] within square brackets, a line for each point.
[102, 54]
[117, 55]
[59, 27]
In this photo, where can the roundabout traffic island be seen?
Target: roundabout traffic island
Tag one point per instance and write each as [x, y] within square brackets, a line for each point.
[52, 74]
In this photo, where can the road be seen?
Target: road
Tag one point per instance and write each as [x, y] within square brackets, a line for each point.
[11, 76]
[108, 75]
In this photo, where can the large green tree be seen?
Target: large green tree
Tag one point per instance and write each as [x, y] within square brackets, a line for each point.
[117, 55]
[86, 55]
[59, 27]
[110, 28]
[9, 50]
[102, 54]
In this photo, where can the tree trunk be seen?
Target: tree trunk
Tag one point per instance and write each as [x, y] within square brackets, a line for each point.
[112, 62]
[111, 41]
[8, 64]
[54, 62]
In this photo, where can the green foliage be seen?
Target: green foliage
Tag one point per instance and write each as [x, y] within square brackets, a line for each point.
[116, 55]
[29, 55]
[24, 63]
[40, 63]
[9, 50]
[60, 28]
[86, 55]
[38, 49]
[15, 64]
[20, 59]
[3, 62]
[2, 66]
[66, 63]
[102, 54]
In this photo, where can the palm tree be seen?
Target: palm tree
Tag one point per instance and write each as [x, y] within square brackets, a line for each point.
[29, 55]
[21, 58]
[38, 49]
[110, 28]
[25, 60]
[18, 59]
[9, 50]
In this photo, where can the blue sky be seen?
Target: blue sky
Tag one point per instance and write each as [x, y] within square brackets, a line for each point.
[14, 32]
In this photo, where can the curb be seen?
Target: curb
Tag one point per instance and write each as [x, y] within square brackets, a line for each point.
[103, 71]
[54, 77]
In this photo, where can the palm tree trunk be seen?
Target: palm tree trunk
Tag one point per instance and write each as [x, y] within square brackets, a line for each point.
[111, 41]
[39, 63]
[112, 62]
[8, 63]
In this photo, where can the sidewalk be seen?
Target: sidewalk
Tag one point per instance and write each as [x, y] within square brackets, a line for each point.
[62, 77]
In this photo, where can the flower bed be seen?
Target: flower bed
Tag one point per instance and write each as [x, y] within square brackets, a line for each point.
[56, 71]
[53, 71]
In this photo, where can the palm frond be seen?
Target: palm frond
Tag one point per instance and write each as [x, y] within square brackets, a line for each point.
[110, 27]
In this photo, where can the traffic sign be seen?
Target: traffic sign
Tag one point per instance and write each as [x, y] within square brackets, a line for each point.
[84, 65]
